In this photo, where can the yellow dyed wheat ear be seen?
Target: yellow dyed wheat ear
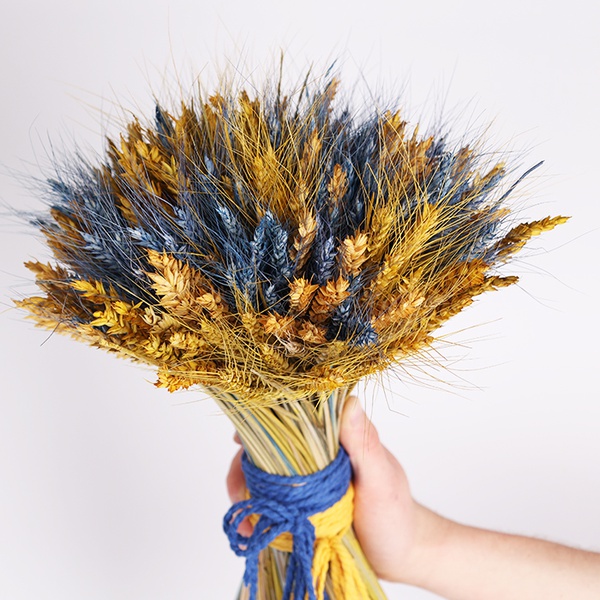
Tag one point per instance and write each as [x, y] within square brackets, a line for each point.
[273, 247]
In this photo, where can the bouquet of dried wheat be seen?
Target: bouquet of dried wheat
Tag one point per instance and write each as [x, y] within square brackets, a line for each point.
[275, 249]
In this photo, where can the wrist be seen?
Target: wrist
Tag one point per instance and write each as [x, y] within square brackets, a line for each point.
[432, 534]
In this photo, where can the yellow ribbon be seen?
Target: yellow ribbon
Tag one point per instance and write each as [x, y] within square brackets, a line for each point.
[331, 554]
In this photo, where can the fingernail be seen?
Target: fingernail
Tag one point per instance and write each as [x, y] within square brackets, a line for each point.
[357, 413]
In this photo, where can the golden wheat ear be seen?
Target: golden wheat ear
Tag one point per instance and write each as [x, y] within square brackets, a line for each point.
[273, 243]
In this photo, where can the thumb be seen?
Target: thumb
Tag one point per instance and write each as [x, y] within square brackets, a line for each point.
[369, 458]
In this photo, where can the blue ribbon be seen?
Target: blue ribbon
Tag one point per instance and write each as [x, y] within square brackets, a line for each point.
[284, 505]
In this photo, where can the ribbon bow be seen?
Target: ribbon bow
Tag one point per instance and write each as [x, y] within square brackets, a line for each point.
[281, 507]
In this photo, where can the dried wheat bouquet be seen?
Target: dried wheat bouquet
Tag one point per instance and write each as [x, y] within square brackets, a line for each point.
[274, 249]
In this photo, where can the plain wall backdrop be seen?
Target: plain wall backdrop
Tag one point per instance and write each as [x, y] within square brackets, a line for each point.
[113, 490]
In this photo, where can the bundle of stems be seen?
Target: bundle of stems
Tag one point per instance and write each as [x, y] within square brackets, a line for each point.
[294, 438]
[274, 249]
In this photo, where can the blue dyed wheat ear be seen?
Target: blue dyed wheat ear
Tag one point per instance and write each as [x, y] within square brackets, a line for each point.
[271, 247]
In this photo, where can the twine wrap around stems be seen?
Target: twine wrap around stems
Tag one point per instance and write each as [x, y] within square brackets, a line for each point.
[306, 515]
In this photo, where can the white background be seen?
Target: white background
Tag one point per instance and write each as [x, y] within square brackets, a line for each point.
[113, 490]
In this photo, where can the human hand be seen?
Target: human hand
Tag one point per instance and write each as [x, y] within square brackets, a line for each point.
[388, 522]
[386, 518]
[406, 542]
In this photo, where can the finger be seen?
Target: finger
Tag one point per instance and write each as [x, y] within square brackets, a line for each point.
[236, 483]
[369, 458]
[236, 488]
[237, 439]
